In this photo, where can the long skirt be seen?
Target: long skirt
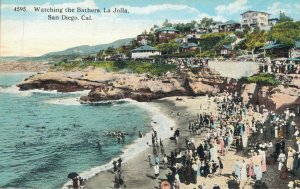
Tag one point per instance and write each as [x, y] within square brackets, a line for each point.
[290, 163]
[257, 172]
[263, 165]
[283, 172]
[251, 171]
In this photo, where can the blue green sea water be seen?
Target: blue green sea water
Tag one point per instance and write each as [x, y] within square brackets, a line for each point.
[46, 135]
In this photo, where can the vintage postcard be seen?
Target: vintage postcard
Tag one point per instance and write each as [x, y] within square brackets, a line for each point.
[139, 94]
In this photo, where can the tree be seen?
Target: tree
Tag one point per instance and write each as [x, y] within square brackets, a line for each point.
[209, 41]
[226, 41]
[168, 48]
[123, 49]
[284, 18]
[145, 32]
[255, 39]
[286, 33]
[194, 22]
[133, 44]
[206, 22]
[184, 28]
[100, 55]
[167, 23]
[110, 51]
[152, 39]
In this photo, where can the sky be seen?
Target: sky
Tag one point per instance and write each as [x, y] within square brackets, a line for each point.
[30, 33]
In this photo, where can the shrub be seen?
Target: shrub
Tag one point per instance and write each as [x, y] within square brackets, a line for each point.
[262, 78]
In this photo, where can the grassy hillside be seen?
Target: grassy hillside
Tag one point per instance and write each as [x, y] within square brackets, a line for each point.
[115, 66]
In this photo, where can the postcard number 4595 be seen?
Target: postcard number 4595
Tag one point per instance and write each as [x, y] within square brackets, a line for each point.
[20, 9]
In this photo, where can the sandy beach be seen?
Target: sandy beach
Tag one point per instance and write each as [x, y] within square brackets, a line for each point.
[137, 172]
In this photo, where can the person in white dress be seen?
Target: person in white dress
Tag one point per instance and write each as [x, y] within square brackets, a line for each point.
[296, 131]
[244, 171]
[281, 159]
[290, 159]
[276, 131]
[298, 143]
[213, 154]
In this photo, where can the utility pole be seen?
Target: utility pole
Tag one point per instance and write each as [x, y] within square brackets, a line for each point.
[200, 51]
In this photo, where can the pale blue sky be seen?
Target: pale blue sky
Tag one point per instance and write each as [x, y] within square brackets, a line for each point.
[31, 34]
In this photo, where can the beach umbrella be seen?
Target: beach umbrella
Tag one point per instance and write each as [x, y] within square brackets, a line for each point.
[72, 175]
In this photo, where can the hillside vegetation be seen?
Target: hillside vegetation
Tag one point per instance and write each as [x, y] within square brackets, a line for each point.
[116, 66]
[263, 79]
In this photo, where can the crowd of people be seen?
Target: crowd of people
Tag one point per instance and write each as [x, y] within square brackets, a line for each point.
[280, 67]
[239, 126]
[188, 62]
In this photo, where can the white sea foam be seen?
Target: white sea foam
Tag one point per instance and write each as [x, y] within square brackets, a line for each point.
[15, 90]
[65, 101]
[160, 122]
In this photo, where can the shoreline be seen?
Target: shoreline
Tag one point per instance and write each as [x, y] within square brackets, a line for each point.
[138, 146]
[137, 171]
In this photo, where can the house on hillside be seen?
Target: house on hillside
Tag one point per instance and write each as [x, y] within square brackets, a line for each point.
[229, 26]
[166, 34]
[255, 19]
[214, 27]
[276, 50]
[225, 51]
[198, 31]
[194, 35]
[188, 47]
[144, 52]
[295, 52]
[143, 39]
[89, 58]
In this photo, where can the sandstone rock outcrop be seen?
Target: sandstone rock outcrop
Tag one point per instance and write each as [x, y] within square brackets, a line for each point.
[113, 86]
[273, 98]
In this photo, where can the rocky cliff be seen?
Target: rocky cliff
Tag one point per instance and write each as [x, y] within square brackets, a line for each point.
[113, 86]
[274, 98]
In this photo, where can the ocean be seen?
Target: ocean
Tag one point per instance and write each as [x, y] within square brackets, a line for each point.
[46, 135]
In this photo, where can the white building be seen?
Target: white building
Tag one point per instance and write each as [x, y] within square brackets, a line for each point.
[295, 52]
[255, 19]
[214, 27]
[144, 52]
